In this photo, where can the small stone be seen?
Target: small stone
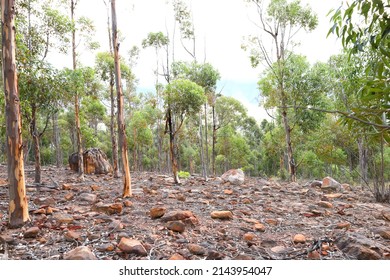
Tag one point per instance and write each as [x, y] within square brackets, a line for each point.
[128, 203]
[333, 195]
[80, 253]
[243, 258]
[196, 249]
[214, 255]
[69, 196]
[72, 236]
[315, 184]
[94, 188]
[63, 217]
[278, 249]
[181, 197]
[313, 255]
[177, 215]
[66, 187]
[49, 210]
[299, 238]
[259, 227]
[176, 226]
[383, 232]
[222, 215]
[228, 192]
[108, 247]
[386, 215]
[343, 225]
[325, 204]
[132, 246]
[247, 201]
[272, 222]
[88, 197]
[176, 257]
[346, 187]
[48, 201]
[32, 232]
[93, 236]
[249, 237]
[40, 211]
[157, 212]
[109, 209]
[7, 238]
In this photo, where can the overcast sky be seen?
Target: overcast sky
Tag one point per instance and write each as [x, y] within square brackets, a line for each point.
[220, 26]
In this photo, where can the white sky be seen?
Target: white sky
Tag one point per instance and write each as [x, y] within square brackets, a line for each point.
[221, 24]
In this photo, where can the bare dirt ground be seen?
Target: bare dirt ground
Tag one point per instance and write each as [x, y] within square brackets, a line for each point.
[267, 219]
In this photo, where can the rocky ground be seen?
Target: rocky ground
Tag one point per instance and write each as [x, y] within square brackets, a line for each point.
[260, 219]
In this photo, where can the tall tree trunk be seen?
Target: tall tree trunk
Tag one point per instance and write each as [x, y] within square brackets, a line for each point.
[76, 100]
[214, 139]
[287, 130]
[56, 140]
[363, 161]
[37, 150]
[206, 139]
[114, 144]
[121, 120]
[18, 205]
[202, 157]
[172, 149]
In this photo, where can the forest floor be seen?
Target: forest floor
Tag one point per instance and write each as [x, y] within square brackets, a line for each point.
[267, 219]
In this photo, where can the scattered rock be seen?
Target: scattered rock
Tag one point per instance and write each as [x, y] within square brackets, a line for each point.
[63, 217]
[299, 238]
[69, 196]
[214, 255]
[177, 215]
[383, 232]
[315, 184]
[176, 226]
[72, 236]
[259, 227]
[128, 203]
[325, 204]
[249, 237]
[343, 225]
[109, 209]
[228, 192]
[157, 212]
[88, 197]
[223, 215]
[176, 257]
[49, 201]
[359, 247]
[330, 185]
[196, 249]
[108, 247]
[80, 253]
[234, 176]
[272, 222]
[386, 215]
[32, 232]
[243, 257]
[333, 195]
[132, 246]
[313, 255]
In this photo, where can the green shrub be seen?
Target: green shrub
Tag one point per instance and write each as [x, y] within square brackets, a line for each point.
[184, 174]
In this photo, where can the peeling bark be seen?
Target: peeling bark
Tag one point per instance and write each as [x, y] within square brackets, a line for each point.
[18, 206]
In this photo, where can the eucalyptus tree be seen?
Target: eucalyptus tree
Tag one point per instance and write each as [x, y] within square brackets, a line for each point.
[157, 40]
[121, 119]
[364, 29]
[44, 30]
[18, 204]
[182, 98]
[281, 21]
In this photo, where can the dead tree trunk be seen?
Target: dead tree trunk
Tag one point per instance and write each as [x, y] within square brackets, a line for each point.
[18, 206]
[121, 120]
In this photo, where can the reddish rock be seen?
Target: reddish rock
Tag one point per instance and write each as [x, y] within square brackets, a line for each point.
[299, 238]
[63, 217]
[359, 247]
[343, 225]
[249, 237]
[176, 226]
[228, 192]
[72, 236]
[386, 215]
[66, 187]
[32, 232]
[259, 227]
[69, 196]
[132, 246]
[48, 201]
[383, 232]
[325, 204]
[80, 253]
[333, 195]
[157, 212]
[196, 249]
[272, 222]
[177, 215]
[88, 197]
[176, 257]
[223, 215]
[128, 203]
[109, 209]
[313, 255]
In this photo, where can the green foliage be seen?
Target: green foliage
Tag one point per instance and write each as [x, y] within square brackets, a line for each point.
[184, 174]
[184, 97]
[156, 40]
